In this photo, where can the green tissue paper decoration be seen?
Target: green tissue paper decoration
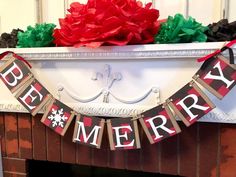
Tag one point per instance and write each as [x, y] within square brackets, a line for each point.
[177, 29]
[38, 36]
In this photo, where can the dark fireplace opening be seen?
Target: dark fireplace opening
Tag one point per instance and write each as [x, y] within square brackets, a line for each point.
[49, 169]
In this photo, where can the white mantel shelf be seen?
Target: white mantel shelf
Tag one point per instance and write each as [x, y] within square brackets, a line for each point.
[135, 77]
[133, 52]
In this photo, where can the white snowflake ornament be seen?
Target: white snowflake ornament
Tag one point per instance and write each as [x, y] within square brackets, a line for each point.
[58, 118]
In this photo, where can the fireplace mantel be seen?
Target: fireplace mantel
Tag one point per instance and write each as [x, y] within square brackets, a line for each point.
[131, 52]
[118, 81]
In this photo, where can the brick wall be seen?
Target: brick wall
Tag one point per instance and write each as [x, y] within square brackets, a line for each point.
[202, 150]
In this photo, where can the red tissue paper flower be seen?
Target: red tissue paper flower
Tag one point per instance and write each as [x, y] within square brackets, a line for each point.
[107, 22]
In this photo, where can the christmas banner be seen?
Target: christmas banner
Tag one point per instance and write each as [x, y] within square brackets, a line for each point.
[189, 103]
[217, 76]
[88, 130]
[123, 133]
[159, 123]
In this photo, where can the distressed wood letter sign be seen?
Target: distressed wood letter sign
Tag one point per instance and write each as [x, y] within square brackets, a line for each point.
[190, 103]
[123, 133]
[33, 96]
[219, 77]
[88, 130]
[159, 123]
[14, 73]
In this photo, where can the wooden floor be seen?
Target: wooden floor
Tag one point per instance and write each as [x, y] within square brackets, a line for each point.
[202, 150]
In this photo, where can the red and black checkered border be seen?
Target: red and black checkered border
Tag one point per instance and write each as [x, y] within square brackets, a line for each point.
[89, 122]
[48, 123]
[43, 91]
[27, 75]
[134, 135]
[203, 100]
[217, 87]
[171, 123]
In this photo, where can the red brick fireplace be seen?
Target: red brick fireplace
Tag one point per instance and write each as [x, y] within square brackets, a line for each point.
[202, 150]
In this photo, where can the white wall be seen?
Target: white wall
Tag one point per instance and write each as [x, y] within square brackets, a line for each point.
[205, 11]
[20, 13]
[52, 10]
[17, 14]
[232, 11]
[170, 7]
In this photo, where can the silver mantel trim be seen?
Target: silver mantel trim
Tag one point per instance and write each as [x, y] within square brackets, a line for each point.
[130, 52]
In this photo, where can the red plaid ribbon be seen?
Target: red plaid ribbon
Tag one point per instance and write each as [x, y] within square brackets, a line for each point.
[14, 55]
[227, 46]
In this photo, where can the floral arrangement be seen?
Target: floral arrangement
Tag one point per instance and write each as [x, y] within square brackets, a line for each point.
[117, 22]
